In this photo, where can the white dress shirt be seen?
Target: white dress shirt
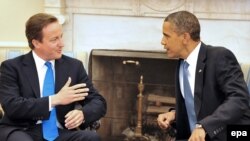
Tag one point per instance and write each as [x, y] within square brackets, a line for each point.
[192, 61]
[41, 69]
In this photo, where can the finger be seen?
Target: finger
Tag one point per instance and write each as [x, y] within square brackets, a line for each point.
[73, 122]
[161, 120]
[71, 125]
[162, 126]
[74, 125]
[77, 86]
[69, 121]
[80, 96]
[68, 114]
[73, 116]
[84, 90]
[68, 82]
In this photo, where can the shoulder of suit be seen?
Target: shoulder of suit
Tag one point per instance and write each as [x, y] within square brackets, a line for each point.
[15, 60]
[68, 58]
[218, 49]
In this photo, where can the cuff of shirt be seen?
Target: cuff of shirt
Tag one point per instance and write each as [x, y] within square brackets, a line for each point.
[50, 107]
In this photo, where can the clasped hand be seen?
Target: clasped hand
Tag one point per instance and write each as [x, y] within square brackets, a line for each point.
[74, 119]
[164, 120]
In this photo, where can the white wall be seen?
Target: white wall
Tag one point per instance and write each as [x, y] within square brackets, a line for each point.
[232, 34]
[13, 15]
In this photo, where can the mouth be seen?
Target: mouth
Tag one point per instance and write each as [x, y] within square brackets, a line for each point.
[165, 47]
[59, 51]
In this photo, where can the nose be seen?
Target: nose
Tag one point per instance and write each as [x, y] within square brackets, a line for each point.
[61, 42]
[162, 42]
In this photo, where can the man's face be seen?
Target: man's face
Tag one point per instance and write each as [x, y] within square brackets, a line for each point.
[171, 41]
[52, 43]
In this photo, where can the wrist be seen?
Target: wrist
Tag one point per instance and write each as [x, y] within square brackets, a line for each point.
[200, 126]
[54, 101]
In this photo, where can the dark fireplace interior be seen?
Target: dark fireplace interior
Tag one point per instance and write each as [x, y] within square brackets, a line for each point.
[116, 74]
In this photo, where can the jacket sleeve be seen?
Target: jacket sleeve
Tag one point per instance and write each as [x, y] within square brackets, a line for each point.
[233, 92]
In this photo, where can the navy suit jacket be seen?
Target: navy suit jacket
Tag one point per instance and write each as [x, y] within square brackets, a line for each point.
[20, 93]
[221, 96]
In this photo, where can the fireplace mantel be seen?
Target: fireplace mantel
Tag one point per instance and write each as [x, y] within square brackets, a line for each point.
[130, 53]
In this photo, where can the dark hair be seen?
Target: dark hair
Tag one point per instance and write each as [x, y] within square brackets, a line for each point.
[184, 21]
[35, 25]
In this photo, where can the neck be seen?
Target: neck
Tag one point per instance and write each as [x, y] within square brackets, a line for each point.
[189, 48]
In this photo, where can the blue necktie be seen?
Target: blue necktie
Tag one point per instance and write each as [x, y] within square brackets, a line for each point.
[50, 131]
[189, 100]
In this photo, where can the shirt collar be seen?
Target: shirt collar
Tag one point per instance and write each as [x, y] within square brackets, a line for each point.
[193, 56]
[40, 63]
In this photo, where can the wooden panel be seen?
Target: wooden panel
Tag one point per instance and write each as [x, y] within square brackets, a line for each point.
[162, 99]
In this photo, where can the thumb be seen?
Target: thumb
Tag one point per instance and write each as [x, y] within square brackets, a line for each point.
[68, 82]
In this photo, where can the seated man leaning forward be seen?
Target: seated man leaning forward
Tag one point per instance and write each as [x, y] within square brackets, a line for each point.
[210, 89]
[46, 95]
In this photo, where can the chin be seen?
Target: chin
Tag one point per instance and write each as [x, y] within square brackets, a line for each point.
[58, 56]
[170, 56]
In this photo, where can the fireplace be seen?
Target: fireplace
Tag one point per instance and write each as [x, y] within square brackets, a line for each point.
[116, 74]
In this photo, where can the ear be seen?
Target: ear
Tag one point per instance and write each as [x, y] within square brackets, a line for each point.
[186, 37]
[36, 43]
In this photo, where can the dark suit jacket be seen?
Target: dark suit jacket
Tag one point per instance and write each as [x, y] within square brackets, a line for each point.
[20, 93]
[220, 94]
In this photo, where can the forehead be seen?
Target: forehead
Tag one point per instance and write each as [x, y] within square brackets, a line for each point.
[168, 28]
[52, 28]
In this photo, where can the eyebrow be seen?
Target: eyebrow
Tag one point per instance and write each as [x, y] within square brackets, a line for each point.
[165, 34]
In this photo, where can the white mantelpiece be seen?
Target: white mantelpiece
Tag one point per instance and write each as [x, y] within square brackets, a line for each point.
[136, 24]
[205, 9]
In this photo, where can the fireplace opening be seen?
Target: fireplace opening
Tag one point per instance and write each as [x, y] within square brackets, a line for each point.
[117, 75]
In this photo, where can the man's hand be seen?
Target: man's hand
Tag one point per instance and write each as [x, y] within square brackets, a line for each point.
[74, 119]
[198, 134]
[164, 120]
[69, 94]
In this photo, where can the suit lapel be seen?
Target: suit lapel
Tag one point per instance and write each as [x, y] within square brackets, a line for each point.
[61, 71]
[31, 73]
[199, 78]
[61, 77]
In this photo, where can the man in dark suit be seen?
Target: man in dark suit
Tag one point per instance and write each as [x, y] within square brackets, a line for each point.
[76, 101]
[219, 92]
